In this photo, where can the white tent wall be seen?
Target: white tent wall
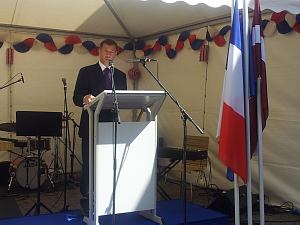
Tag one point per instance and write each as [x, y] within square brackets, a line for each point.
[281, 136]
[4, 100]
[184, 77]
[43, 90]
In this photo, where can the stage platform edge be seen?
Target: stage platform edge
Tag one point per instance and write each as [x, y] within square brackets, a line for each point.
[171, 212]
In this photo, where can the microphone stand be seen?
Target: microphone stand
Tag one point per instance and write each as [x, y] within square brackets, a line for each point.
[7, 85]
[116, 121]
[184, 117]
[66, 115]
[72, 156]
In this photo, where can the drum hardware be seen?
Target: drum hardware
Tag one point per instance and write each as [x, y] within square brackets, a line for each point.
[57, 164]
[21, 144]
[72, 156]
[17, 143]
[44, 144]
[11, 81]
[68, 146]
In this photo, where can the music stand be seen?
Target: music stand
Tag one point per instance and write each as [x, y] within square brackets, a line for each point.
[38, 124]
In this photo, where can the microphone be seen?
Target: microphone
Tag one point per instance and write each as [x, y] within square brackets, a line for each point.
[64, 81]
[137, 60]
[22, 78]
[110, 62]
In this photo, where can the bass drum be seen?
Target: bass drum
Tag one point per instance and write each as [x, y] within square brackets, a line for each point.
[26, 168]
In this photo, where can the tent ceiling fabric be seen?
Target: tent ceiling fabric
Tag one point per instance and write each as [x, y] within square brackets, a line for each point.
[143, 18]
[92, 16]
[293, 6]
[140, 18]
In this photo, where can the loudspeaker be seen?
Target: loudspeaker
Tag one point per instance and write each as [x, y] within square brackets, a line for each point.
[4, 172]
[224, 201]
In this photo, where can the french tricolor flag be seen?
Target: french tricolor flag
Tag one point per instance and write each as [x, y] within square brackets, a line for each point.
[232, 124]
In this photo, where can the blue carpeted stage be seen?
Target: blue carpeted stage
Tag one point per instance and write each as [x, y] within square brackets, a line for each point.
[170, 211]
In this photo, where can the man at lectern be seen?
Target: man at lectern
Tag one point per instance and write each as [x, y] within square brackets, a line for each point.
[91, 81]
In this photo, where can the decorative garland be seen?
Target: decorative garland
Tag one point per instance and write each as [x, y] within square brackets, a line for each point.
[162, 41]
[284, 23]
[49, 44]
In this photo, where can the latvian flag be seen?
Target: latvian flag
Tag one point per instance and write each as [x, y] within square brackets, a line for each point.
[259, 71]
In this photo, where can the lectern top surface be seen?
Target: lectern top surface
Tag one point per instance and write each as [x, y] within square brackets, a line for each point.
[128, 99]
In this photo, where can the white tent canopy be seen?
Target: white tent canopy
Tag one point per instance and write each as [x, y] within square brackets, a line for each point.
[275, 5]
[122, 18]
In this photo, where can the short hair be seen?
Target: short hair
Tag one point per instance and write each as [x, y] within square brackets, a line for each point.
[108, 42]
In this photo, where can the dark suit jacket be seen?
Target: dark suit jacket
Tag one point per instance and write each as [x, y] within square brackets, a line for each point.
[91, 80]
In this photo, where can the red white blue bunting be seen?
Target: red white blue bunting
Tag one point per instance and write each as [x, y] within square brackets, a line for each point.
[283, 22]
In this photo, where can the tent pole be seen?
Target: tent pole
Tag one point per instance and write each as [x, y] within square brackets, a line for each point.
[246, 83]
[118, 19]
[236, 200]
[260, 156]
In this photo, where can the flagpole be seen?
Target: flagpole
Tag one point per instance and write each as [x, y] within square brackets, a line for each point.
[246, 95]
[260, 155]
[236, 200]
[236, 181]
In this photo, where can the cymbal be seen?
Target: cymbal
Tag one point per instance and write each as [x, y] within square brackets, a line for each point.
[8, 127]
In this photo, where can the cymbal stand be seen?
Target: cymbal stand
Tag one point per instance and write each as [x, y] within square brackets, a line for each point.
[62, 141]
[57, 165]
[7, 85]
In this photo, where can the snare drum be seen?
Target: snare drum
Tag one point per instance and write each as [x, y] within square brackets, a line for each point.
[26, 168]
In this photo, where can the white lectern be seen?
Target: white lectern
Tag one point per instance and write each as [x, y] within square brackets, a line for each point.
[135, 154]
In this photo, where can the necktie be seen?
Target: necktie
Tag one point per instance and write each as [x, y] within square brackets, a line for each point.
[107, 76]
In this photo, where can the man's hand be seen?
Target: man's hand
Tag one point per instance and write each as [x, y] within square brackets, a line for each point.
[87, 99]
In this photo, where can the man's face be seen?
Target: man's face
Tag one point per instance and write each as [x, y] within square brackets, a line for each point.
[106, 53]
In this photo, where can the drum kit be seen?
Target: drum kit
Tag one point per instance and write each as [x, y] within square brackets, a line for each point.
[28, 169]
[23, 168]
